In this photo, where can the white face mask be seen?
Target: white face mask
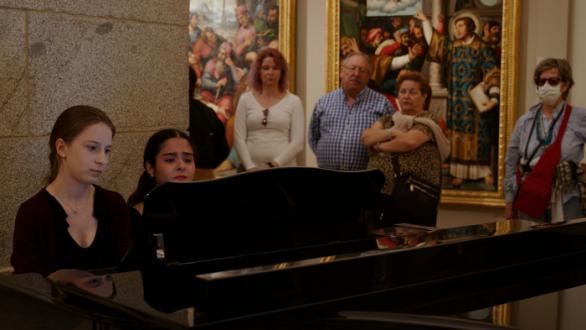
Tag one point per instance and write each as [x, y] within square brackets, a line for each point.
[549, 94]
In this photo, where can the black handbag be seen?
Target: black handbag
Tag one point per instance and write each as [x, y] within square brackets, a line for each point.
[414, 200]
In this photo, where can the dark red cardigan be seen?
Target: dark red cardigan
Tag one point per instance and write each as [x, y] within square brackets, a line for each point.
[43, 245]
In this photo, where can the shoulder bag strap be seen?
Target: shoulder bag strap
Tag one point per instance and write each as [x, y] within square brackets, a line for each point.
[396, 166]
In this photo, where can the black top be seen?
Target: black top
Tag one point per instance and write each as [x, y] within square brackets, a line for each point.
[43, 245]
[208, 135]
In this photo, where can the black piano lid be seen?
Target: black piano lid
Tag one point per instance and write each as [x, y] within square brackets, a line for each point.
[449, 271]
[400, 239]
[263, 211]
[452, 271]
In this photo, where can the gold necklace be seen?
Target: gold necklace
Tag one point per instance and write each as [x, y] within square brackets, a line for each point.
[69, 206]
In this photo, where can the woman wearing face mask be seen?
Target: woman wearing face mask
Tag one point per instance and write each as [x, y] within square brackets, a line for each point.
[548, 137]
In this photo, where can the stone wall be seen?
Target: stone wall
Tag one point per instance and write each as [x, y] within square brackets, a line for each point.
[126, 57]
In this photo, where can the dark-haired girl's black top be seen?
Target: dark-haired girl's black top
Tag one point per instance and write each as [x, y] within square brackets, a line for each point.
[43, 245]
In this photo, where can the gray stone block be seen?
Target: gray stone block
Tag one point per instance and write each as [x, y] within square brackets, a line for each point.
[24, 167]
[159, 11]
[127, 69]
[126, 163]
[14, 80]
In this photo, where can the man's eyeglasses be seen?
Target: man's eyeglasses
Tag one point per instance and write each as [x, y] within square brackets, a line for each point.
[265, 114]
[551, 81]
[355, 69]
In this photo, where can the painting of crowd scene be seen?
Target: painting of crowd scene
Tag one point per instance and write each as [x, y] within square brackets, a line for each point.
[225, 36]
[460, 56]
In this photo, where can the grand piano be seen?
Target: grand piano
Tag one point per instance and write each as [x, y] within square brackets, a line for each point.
[291, 248]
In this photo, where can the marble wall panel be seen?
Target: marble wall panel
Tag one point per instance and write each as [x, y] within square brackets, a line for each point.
[24, 166]
[130, 70]
[15, 85]
[160, 11]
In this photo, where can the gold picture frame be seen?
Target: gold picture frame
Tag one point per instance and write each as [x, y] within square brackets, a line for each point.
[222, 18]
[508, 15]
[287, 37]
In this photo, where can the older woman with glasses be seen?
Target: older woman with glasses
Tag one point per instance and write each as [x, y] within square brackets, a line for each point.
[546, 145]
[269, 126]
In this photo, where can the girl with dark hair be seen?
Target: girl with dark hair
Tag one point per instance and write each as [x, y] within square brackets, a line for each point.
[72, 222]
[168, 156]
[269, 125]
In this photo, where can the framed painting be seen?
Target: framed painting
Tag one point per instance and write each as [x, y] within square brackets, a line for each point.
[224, 38]
[467, 49]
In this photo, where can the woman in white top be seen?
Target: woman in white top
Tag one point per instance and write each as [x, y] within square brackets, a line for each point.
[269, 126]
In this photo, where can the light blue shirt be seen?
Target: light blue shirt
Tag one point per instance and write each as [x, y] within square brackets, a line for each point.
[335, 128]
[521, 139]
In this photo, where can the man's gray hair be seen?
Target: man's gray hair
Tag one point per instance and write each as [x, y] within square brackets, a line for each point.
[361, 54]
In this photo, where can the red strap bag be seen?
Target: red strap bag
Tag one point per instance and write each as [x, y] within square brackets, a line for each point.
[534, 193]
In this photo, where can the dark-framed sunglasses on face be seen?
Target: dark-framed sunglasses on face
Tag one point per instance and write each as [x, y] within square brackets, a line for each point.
[552, 81]
[265, 116]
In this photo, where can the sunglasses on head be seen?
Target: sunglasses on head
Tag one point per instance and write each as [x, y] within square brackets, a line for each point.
[551, 81]
[265, 114]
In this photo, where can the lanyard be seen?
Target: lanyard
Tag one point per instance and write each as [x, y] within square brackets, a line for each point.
[526, 167]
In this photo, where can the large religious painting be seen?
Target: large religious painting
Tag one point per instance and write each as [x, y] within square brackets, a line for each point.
[224, 38]
[467, 51]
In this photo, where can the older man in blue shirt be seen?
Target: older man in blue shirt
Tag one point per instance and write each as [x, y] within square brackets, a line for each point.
[340, 117]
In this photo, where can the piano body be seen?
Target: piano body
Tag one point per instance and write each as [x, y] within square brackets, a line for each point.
[294, 248]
